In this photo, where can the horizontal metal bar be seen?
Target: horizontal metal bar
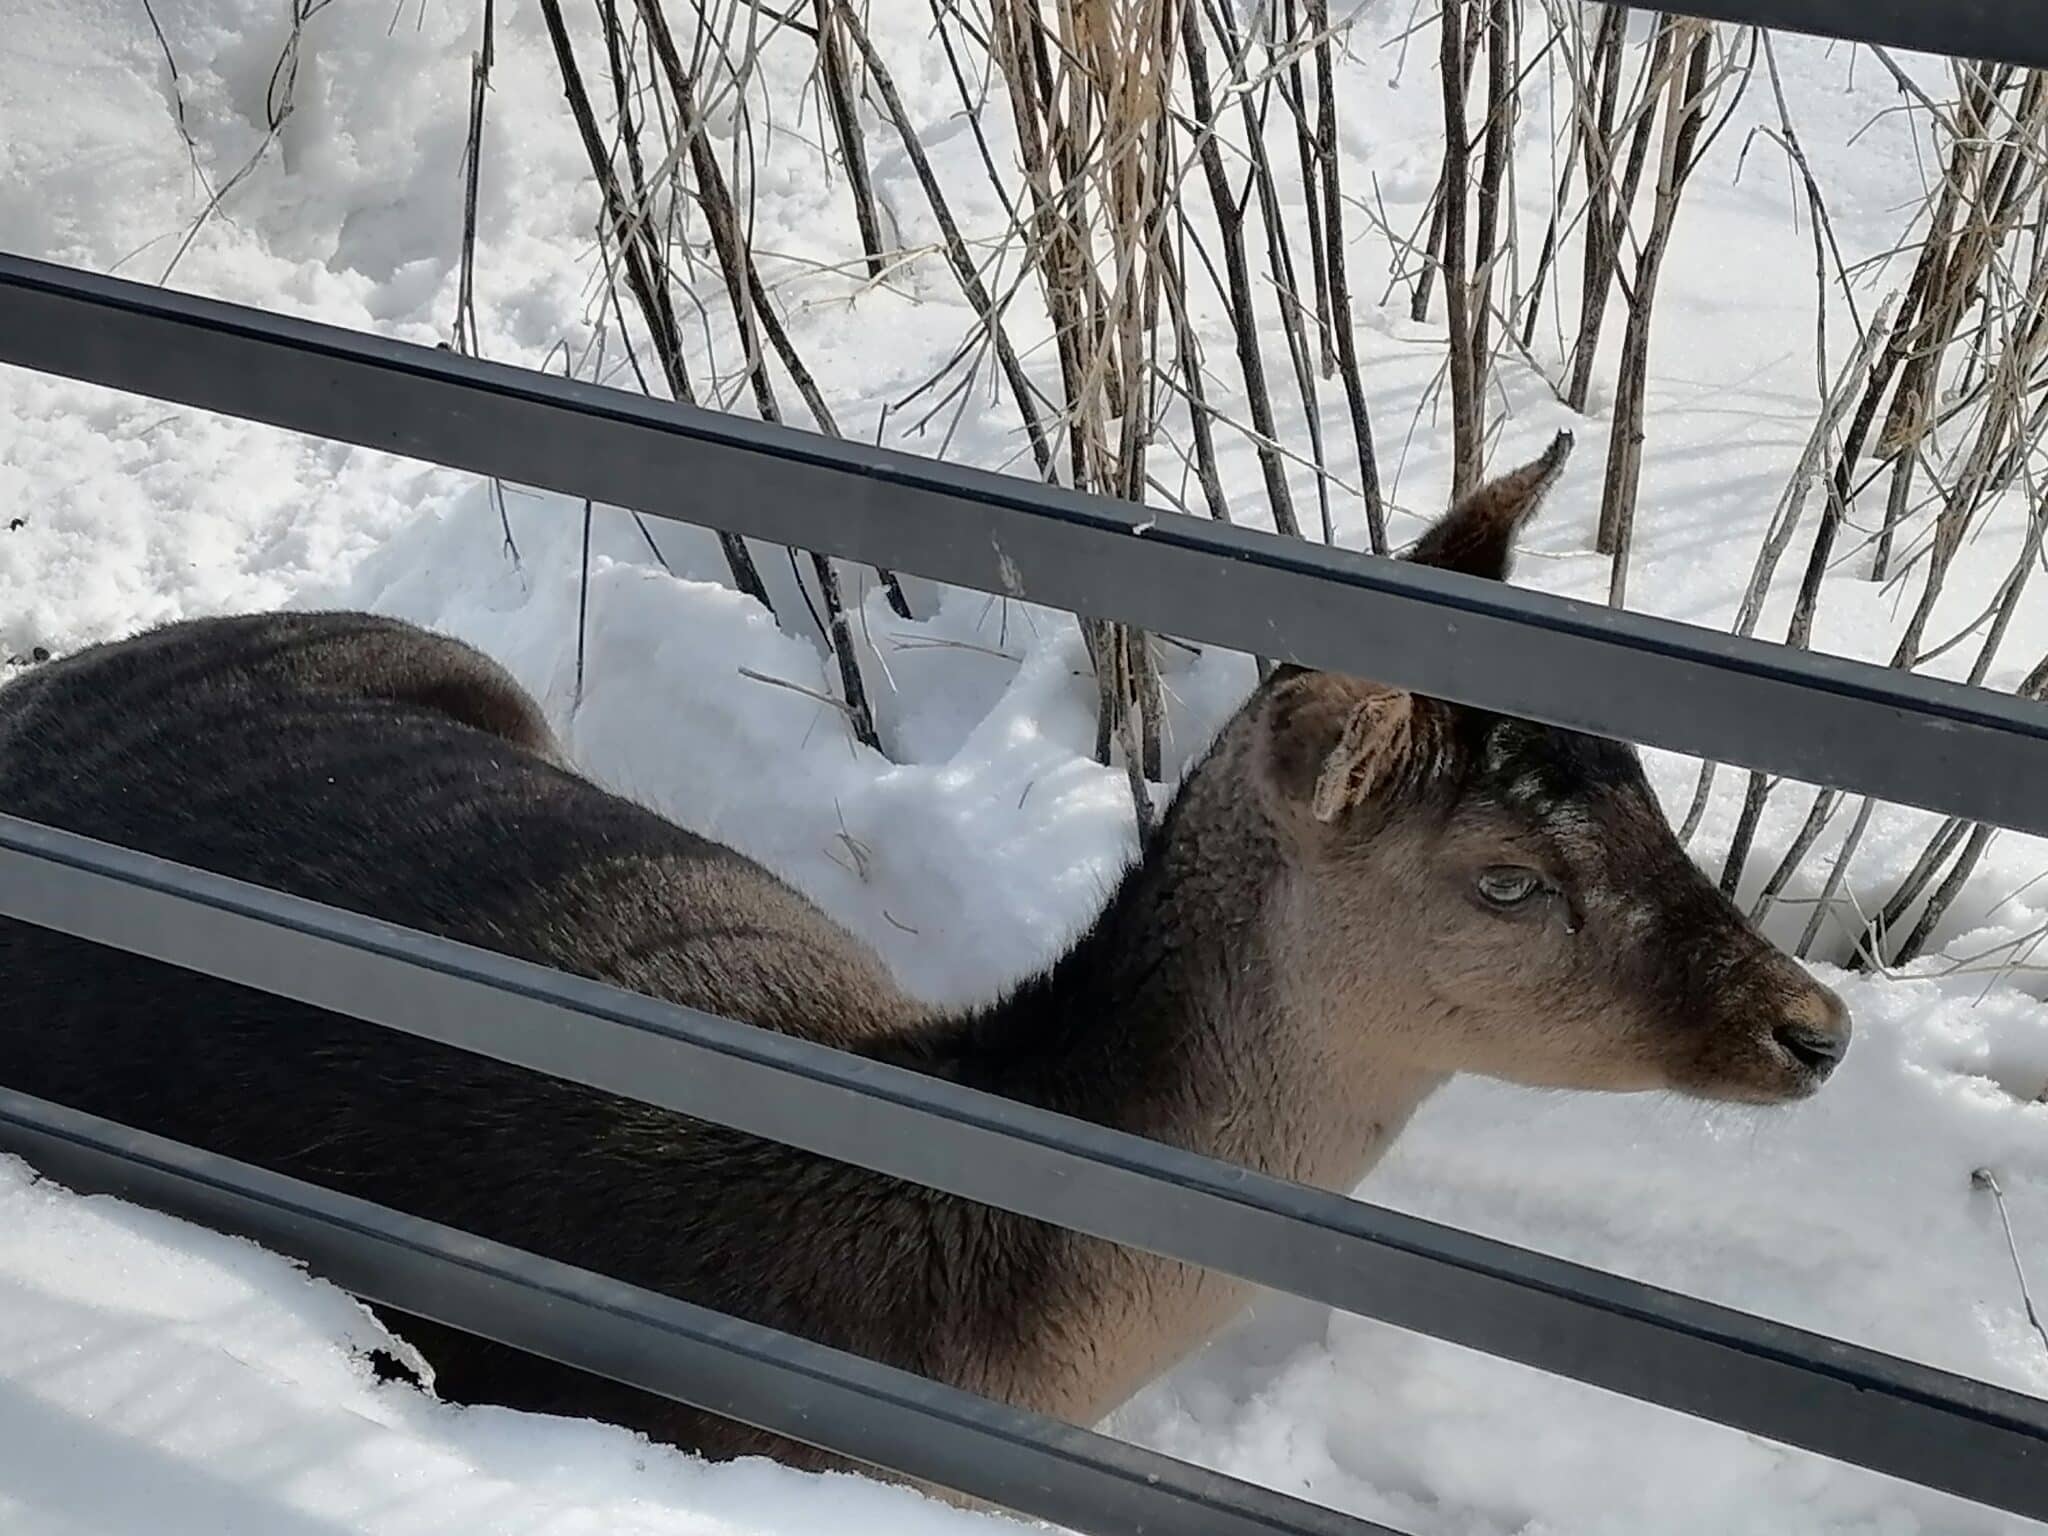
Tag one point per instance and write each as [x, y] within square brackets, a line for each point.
[1965, 751]
[824, 1397]
[2008, 30]
[1944, 1431]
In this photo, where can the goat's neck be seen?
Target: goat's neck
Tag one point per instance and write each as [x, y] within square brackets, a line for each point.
[1177, 1015]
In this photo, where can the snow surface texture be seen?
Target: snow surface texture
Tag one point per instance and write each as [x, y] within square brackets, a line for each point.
[155, 1377]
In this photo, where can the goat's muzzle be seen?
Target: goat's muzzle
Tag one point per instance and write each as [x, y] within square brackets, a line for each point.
[1813, 1035]
[1774, 1034]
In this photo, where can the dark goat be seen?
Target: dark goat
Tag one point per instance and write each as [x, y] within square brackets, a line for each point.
[1357, 893]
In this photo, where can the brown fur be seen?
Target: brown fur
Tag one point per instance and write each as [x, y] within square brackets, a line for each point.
[1306, 950]
[1478, 538]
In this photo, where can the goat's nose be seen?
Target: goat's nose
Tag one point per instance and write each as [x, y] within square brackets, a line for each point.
[1815, 1031]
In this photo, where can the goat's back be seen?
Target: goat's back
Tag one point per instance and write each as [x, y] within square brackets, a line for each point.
[367, 764]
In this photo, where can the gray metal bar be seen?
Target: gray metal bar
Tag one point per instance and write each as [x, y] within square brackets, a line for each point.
[823, 1397]
[1944, 1431]
[1966, 751]
[2009, 30]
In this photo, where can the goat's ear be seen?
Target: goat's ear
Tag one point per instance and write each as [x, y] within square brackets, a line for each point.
[1369, 751]
[1477, 536]
[1334, 741]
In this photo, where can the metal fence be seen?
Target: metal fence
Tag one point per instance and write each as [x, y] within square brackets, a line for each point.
[1927, 743]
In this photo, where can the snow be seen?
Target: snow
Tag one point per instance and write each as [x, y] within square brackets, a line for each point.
[153, 1376]
[159, 1378]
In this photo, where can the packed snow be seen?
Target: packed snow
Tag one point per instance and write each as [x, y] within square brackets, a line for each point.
[157, 1377]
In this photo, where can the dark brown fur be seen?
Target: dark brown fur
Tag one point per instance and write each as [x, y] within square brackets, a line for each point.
[1297, 961]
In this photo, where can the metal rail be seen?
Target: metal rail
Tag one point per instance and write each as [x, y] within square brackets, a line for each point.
[1853, 1404]
[885, 1417]
[2012, 30]
[1966, 751]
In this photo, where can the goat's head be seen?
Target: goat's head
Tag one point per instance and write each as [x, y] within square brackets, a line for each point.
[1518, 882]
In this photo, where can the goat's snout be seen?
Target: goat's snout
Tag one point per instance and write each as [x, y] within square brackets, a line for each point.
[1778, 1036]
[1813, 1031]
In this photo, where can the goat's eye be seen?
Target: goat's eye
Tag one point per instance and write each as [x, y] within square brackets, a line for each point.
[1507, 885]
